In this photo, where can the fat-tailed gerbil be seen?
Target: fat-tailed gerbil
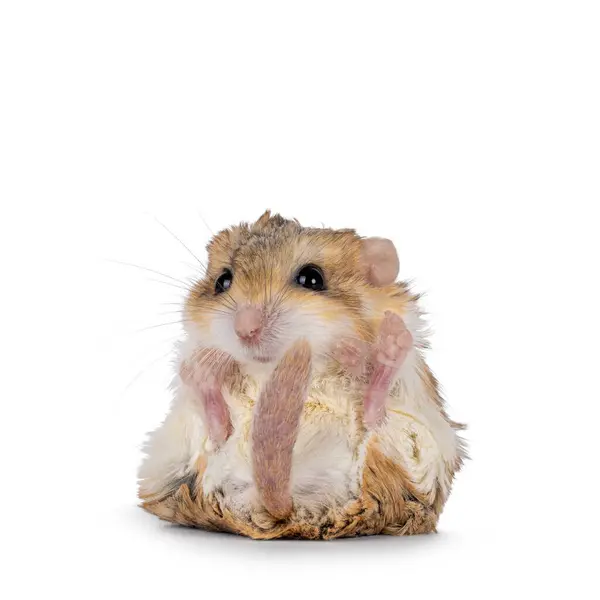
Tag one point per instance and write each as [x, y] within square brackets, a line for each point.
[304, 406]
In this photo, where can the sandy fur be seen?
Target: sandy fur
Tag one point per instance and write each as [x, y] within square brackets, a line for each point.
[345, 479]
[330, 456]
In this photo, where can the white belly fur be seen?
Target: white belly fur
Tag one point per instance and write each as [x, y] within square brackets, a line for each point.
[328, 455]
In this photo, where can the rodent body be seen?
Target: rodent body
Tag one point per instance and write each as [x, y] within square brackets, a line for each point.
[346, 473]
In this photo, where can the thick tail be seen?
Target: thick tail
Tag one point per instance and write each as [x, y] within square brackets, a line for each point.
[275, 428]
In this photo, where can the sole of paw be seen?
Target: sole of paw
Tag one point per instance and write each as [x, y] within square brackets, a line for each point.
[391, 347]
[352, 354]
[394, 341]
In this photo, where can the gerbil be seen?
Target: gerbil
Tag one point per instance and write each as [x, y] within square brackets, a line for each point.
[304, 406]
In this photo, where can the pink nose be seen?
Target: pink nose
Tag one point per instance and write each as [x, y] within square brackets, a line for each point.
[248, 323]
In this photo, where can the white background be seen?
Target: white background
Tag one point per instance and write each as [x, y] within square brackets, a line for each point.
[469, 132]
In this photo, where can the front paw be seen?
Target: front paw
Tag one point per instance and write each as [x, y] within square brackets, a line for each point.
[352, 355]
[393, 342]
[205, 373]
[206, 366]
[391, 347]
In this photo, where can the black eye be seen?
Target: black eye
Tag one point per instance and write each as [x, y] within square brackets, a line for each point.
[224, 281]
[311, 278]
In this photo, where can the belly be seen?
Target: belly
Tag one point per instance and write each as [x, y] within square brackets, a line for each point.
[344, 481]
[326, 457]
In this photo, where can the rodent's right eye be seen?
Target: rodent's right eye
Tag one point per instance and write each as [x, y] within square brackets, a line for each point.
[224, 281]
[311, 277]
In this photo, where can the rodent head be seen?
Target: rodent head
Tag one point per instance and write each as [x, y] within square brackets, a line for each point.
[270, 283]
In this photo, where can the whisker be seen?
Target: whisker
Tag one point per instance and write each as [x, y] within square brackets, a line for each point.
[180, 322]
[201, 311]
[145, 370]
[229, 301]
[184, 245]
[181, 287]
[171, 312]
[206, 224]
[127, 264]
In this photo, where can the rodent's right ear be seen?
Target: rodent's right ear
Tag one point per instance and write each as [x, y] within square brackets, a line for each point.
[380, 261]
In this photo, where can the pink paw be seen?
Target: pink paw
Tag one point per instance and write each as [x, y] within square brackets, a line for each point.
[394, 341]
[352, 354]
[205, 374]
[390, 350]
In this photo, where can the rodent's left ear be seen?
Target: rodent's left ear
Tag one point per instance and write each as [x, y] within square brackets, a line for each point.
[380, 261]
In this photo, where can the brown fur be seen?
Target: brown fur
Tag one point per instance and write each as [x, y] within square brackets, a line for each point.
[262, 257]
[389, 504]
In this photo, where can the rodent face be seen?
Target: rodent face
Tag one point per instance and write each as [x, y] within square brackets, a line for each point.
[256, 299]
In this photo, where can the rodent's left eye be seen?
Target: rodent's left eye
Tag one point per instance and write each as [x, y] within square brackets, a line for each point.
[311, 278]
[224, 281]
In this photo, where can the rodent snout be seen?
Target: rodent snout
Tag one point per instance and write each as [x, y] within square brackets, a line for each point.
[248, 323]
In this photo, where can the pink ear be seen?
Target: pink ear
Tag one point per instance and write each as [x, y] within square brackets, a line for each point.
[380, 261]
